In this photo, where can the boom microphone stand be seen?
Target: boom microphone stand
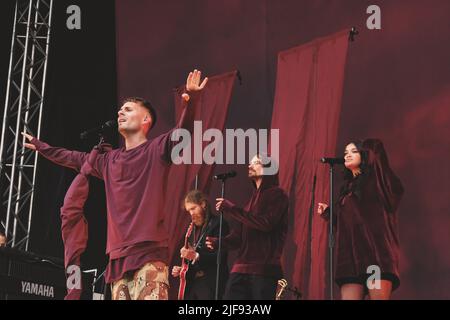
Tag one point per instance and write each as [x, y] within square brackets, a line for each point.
[223, 178]
[331, 162]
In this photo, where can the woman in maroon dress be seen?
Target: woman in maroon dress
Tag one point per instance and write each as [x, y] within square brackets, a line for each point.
[367, 243]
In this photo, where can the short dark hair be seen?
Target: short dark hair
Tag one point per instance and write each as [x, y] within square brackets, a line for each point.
[146, 104]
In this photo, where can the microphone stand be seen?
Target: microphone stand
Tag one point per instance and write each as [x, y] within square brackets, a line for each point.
[330, 233]
[104, 282]
[219, 250]
[331, 162]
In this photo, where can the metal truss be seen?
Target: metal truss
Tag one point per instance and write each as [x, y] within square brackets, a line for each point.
[23, 113]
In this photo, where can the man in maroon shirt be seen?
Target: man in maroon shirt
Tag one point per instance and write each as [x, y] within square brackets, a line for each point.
[134, 175]
[260, 237]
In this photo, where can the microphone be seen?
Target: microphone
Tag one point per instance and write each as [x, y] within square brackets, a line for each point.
[332, 161]
[223, 176]
[111, 124]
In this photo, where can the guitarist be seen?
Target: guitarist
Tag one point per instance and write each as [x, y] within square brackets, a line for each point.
[201, 261]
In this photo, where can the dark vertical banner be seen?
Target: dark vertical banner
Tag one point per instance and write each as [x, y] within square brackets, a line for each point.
[211, 114]
[321, 141]
[306, 111]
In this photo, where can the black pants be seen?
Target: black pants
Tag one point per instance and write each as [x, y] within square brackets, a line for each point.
[250, 287]
[200, 289]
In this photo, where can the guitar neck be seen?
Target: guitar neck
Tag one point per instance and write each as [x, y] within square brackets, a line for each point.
[188, 234]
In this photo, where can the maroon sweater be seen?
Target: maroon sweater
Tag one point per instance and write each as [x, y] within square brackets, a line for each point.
[74, 227]
[367, 227]
[262, 230]
[134, 181]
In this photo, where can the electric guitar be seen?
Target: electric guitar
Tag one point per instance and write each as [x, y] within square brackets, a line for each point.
[184, 265]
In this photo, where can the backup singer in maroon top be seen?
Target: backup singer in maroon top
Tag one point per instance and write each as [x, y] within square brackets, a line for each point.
[259, 236]
[366, 223]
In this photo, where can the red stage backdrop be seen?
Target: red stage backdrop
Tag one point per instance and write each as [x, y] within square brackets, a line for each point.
[306, 111]
[396, 88]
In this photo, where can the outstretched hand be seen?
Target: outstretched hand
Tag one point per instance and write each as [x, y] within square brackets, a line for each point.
[193, 83]
[29, 138]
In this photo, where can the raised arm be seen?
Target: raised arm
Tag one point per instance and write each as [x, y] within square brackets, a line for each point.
[190, 99]
[390, 188]
[189, 102]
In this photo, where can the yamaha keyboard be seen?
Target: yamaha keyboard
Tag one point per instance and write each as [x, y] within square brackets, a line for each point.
[27, 276]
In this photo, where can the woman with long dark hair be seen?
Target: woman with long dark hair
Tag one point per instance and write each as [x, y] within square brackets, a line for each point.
[367, 246]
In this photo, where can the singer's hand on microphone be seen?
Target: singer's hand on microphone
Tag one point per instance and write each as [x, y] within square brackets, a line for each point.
[223, 204]
[29, 138]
